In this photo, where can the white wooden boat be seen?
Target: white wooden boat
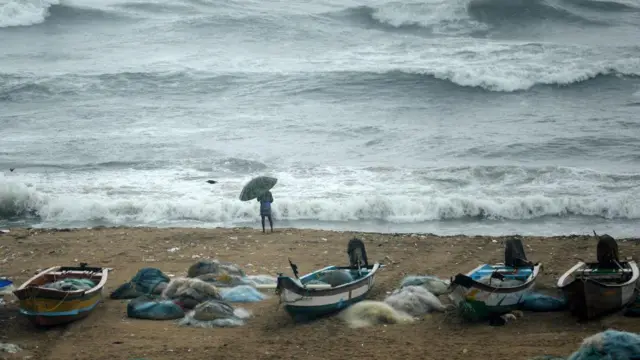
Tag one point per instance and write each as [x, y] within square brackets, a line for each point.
[304, 300]
[478, 298]
[594, 289]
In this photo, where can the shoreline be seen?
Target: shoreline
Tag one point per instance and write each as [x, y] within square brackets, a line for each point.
[310, 229]
[269, 334]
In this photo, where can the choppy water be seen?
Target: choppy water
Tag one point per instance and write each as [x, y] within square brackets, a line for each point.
[456, 116]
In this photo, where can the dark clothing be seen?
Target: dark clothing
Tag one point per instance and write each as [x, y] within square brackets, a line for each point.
[265, 203]
[265, 208]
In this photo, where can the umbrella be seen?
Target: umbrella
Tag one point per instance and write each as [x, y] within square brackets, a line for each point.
[256, 187]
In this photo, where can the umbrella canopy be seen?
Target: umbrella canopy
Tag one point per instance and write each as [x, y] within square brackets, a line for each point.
[256, 187]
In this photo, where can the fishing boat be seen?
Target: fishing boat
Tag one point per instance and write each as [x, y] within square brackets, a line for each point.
[330, 289]
[491, 290]
[61, 294]
[6, 286]
[594, 289]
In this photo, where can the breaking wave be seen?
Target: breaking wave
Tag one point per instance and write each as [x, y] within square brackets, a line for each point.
[396, 196]
[505, 79]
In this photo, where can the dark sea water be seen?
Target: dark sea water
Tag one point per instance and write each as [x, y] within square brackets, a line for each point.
[456, 116]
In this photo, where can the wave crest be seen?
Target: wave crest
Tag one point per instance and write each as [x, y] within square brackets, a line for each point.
[342, 200]
[25, 12]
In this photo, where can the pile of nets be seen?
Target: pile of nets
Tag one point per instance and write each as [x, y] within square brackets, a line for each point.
[416, 297]
[70, 285]
[606, 345]
[435, 285]
[214, 313]
[146, 281]
[201, 299]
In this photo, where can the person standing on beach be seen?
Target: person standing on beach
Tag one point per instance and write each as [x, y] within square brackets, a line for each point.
[265, 208]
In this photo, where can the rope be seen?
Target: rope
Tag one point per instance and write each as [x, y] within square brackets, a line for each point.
[33, 299]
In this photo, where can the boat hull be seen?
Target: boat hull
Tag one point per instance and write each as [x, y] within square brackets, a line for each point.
[48, 307]
[306, 304]
[51, 309]
[478, 301]
[589, 298]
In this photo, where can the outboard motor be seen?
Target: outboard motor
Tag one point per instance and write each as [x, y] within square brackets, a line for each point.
[357, 254]
[514, 255]
[607, 253]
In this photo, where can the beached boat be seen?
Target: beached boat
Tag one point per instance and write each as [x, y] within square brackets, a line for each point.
[5, 284]
[491, 290]
[328, 290]
[600, 288]
[61, 294]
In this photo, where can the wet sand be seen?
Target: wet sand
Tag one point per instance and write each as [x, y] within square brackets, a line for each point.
[108, 334]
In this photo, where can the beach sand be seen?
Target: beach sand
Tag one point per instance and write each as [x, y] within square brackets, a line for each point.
[108, 334]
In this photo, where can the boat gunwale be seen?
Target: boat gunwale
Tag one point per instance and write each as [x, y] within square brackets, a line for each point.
[286, 282]
[24, 289]
[563, 282]
[492, 289]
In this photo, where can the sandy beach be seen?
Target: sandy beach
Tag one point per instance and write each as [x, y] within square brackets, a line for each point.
[270, 334]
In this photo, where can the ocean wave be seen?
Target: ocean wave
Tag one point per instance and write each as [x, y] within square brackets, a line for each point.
[322, 194]
[29, 87]
[519, 11]
[508, 78]
[477, 17]
[24, 12]
[603, 5]
[18, 202]
[621, 147]
[15, 13]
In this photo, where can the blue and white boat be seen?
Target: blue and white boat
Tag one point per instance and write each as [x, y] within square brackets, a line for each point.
[328, 290]
[492, 290]
[6, 286]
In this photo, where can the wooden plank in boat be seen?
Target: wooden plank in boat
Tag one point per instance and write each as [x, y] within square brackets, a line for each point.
[310, 286]
[605, 272]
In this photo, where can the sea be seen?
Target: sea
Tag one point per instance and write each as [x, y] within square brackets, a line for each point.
[477, 117]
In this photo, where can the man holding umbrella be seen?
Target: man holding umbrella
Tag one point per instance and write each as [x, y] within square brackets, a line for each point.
[259, 188]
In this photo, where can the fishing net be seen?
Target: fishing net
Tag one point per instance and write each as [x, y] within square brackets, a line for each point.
[146, 281]
[242, 293]
[154, 308]
[414, 300]
[213, 266]
[211, 314]
[71, 285]
[435, 285]
[606, 345]
[543, 303]
[190, 292]
[368, 313]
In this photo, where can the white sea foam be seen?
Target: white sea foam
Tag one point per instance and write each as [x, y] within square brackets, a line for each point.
[330, 194]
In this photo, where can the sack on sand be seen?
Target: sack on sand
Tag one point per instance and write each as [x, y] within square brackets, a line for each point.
[541, 302]
[146, 281]
[153, 308]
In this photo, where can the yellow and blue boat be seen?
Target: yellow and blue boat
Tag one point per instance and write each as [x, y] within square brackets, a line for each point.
[62, 294]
